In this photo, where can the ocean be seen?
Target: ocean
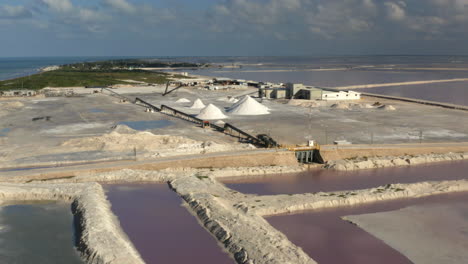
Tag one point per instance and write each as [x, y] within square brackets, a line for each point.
[346, 71]
[316, 71]
[17, 67]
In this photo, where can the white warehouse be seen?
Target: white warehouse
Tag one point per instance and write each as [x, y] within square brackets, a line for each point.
[341, 95]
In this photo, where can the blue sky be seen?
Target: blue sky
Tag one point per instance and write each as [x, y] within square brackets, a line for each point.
[232, 27]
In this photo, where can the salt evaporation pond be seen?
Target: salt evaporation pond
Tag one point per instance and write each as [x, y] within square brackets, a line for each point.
[160, 228]
[39, 233]
[324, 236]
[147, 125]
[454, 93]
[318, 180]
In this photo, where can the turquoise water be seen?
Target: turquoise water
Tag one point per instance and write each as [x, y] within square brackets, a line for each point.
[37, 233]
[17, 67]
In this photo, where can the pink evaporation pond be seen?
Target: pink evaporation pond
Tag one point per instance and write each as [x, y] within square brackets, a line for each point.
[320, 180]
[160, 228]
[328, 239]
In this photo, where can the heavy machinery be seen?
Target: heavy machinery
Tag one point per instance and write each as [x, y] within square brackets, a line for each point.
[267, 141]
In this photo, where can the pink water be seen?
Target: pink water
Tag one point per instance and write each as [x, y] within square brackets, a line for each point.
[330, 180]
[329, 239]
[160, 228]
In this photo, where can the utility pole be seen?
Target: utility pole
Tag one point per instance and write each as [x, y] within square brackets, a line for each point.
[310, 123]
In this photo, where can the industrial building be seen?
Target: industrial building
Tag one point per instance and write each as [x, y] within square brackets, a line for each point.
[299, 91]
[16, 93]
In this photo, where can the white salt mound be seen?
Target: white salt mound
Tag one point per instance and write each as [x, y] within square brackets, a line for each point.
[183, 100]
[220, 123]
[211, 112]
[198, 104]
[340, 106]
[12, 105]
[303, 103]
[248, 106]
[387, 107]
[123, 129]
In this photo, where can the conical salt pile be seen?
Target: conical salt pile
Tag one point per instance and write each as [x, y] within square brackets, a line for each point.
[228, 99]
[198, 104]
[183, 100]
[211, 112]
[248, 106]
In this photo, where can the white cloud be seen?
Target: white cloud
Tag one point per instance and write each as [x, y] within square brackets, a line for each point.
[396, 11]
[267, 19]
[60, 6]
[121, 5]
[14, 12]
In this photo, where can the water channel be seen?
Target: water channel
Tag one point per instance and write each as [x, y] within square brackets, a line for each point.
[319, 180]
[160, 228]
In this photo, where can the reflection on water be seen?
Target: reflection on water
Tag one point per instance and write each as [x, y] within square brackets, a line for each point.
[453, 93]
[37, 233]
[147, 125]
[330, 180]
[329, 239]
[162, 230]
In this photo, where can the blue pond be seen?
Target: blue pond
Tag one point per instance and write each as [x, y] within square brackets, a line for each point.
[4, 132]
[96, 110]
[146, 125]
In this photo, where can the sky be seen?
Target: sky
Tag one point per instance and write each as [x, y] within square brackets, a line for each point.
[232, 27]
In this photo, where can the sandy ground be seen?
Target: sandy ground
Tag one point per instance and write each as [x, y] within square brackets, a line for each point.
[429, 234]
[295, 124]
[83, 128]
[95, 115]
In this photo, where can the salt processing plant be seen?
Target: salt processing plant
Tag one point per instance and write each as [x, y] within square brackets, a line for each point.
[243, 158]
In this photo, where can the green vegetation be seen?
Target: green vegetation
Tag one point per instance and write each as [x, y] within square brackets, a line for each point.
[71, 78]
[102, 73]
[128, 64]
[201, 177]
